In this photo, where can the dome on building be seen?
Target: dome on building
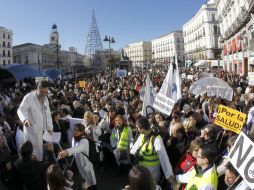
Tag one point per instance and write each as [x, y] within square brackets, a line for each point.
[54, 26]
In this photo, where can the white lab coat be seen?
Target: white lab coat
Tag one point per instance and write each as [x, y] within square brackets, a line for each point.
[163, 157]
[85, 167]
[30, 108]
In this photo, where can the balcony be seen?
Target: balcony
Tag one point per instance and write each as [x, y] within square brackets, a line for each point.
[221, 39]
[220, 19]
[226, 7]
[239, 22]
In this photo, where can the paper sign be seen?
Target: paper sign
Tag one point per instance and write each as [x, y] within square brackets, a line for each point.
[190, 77]
[82, 84]
[242, 158]
[121, 73]
[183, 75]
[251, 78]
[54, 138]
[163, 104]
[230, 119]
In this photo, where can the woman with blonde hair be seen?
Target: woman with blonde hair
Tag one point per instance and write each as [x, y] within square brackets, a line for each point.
[92, 130]
[191, 131]
[189, 159]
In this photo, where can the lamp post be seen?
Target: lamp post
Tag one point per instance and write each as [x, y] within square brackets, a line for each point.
[109, 40]
[57, 54]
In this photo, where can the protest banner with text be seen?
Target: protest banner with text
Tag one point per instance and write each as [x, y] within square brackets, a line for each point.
[242, 158]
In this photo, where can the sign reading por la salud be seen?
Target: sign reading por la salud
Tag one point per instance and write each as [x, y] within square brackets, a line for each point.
[230, 119]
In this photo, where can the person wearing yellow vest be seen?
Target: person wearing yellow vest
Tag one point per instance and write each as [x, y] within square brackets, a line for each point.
[121, 140]
[204, 176]
[151, 151]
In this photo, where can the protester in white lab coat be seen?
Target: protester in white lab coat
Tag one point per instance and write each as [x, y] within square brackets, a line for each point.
[80, 150]
[34, 113]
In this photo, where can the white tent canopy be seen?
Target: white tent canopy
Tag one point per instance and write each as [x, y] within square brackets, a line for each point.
[201, 63]
[206, 63]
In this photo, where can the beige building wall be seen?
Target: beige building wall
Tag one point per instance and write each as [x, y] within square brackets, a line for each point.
[164, 48]
[5, 46]
[140, 53]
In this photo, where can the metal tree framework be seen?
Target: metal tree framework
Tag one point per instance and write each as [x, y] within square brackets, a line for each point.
[93, 45]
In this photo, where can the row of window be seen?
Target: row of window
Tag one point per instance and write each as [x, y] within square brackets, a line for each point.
[8, 53]
[4, 62]
[4, 44]
[8, 36]
[197, 25]
[167, 42]
[166, 55]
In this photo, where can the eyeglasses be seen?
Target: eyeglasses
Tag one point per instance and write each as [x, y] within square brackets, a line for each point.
[175, 117]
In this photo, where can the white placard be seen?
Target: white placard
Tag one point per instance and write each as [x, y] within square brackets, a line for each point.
[190, 77]
[251, 78]
[121, 73]
[163, 104]
[54, 138]
[242, 158]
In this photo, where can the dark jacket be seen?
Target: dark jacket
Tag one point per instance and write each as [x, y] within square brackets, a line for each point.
[32, 173]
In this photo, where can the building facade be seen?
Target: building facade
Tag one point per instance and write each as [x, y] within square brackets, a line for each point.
[49, 55]
[5, 46]
[166, 47]
[237, 34]
[44, 57]
[140, 53]
[201, 34]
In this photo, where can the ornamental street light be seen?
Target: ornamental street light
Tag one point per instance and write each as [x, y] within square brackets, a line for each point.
[109, 40]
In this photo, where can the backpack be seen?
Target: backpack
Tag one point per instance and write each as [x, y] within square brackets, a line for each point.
[93, 154]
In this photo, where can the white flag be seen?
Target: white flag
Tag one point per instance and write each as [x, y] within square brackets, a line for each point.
[171, 87]
[148, 98]
[170, 91]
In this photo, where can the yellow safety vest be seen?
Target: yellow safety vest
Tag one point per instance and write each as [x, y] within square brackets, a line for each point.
[197, 181]
[124, 139]
[148, 156]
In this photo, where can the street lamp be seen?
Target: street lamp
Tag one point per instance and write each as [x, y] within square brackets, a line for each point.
[109, 40]
[57, 52]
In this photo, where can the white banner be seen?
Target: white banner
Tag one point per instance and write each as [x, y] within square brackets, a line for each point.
[148, 97]
[54, 138]
[163, 104]
[242, 158]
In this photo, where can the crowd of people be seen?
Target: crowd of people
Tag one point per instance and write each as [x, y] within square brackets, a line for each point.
[101, 123]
